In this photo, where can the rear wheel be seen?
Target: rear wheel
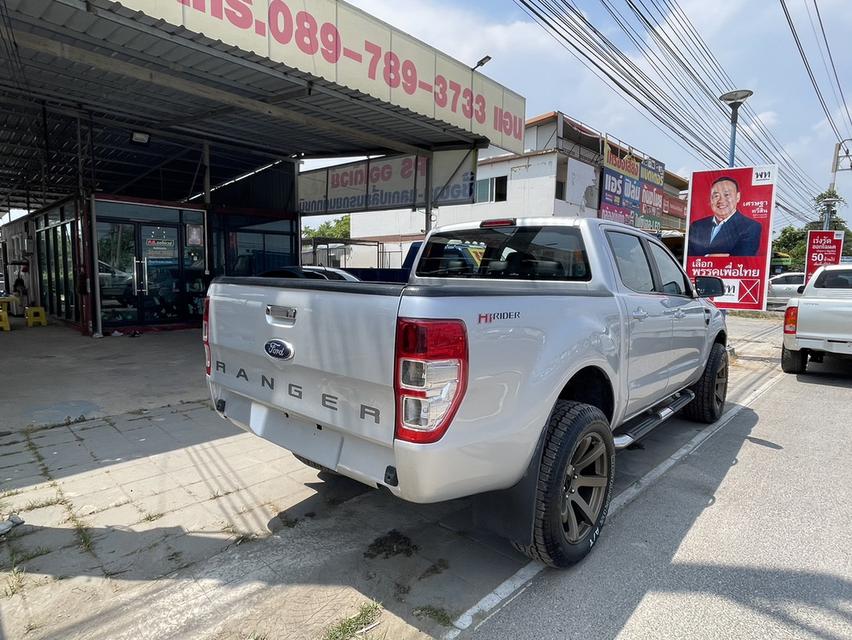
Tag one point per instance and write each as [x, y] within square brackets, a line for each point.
[711, 391]
[574, 485]
[793, 361]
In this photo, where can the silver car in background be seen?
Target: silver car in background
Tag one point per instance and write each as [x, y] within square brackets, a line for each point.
[783, 287]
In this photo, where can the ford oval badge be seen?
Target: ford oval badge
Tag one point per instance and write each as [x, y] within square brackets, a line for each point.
[279, 349]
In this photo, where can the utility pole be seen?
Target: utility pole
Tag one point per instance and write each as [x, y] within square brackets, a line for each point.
[831, 202]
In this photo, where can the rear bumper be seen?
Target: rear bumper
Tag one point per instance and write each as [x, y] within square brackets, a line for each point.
[425, 473]
[822, 345]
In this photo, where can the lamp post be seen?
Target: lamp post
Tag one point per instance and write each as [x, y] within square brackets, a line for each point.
[482, 62]
[835, 161]
[734, 99]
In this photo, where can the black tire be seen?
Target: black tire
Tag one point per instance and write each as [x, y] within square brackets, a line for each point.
[314, 465]
[564, 532]
[711, 390]
[793, 361]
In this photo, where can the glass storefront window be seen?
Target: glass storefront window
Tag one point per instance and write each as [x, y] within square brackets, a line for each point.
[136, 212]
[248, 254]
[42, 268]
[277, 251]
[71, 276]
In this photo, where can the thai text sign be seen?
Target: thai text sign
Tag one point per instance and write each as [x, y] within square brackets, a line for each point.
[824, 247]
[728, 231]
[388, 183]
[632, 190]
[339, 43]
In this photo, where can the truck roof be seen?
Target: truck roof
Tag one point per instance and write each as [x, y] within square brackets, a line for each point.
[549, 221]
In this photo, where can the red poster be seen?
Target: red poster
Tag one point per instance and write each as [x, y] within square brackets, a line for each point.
[728, 231]
[824, 247]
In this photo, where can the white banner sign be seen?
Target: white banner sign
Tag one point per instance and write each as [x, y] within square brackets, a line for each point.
[335, 41]
[388, 183]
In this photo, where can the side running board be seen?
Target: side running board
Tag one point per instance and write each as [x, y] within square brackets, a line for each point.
[643, 425]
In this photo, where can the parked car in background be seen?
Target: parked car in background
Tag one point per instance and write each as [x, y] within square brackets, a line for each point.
[819, 321]
[310, 273]
[517, 358]
[783, 287]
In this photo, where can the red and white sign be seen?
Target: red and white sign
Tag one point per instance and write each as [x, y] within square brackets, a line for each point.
[824, 247]
[728, 232]
[332, 40]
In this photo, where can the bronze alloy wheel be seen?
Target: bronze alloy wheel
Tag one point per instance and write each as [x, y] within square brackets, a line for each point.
[585, 486]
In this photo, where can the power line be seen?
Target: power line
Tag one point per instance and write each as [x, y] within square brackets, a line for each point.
[834, 68]
[810, 71]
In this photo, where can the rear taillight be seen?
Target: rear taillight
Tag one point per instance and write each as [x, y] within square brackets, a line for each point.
[205, 333]
[791, 320]
[430, 378]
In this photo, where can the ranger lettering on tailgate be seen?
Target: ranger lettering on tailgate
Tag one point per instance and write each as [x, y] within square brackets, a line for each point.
[296, 391]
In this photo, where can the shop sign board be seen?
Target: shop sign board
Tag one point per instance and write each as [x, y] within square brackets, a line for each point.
[333, 40]
[395, 182]
[824, 247]
[728, 231]
[632, 190]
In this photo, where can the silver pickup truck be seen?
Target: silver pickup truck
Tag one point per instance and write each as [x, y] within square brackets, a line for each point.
[820, 320]
[519, 356]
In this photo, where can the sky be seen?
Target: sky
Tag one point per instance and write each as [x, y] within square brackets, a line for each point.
[750, 38]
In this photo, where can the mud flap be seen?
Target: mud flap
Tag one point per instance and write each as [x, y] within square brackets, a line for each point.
[510, 513]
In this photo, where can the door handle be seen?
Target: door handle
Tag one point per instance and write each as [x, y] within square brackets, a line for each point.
[679, 314]
[145, 271]
[640, 314]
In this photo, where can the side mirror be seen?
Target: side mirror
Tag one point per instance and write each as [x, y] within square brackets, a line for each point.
[709, 287]
[800, 290]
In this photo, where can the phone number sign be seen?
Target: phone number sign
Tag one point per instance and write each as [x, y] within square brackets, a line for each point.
[824, 247]
[339, 43]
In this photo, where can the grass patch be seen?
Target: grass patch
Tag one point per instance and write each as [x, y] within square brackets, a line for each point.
[439, 615]
[14, 583]
[367, 614]
[31, 626]
[150, 517]
[10, 493]
[245, 537]
[41, 504]
[83, 534]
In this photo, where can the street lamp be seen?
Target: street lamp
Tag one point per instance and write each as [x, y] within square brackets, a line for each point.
[734, 99]
[482, 62]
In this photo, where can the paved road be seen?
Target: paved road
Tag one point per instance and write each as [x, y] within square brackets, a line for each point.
[748, 537]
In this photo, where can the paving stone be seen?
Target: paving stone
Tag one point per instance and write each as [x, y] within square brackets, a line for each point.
[191, 519]
[53, 437]
[51, 516]
[24, 475]
[123, 515]
[176, 498]
[16, 459]
[63, 563]
[83, 506]
[148, 487]
[50, 538]
[119, 542]
[128, 472]
[92, 483]
[28, 496]
[154, 561]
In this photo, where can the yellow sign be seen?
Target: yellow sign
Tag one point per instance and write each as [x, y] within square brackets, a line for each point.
[332, 40]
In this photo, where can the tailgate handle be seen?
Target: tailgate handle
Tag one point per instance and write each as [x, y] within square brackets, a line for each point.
[286, 315]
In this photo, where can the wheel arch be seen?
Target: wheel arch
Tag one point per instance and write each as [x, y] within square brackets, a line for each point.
[591, 385]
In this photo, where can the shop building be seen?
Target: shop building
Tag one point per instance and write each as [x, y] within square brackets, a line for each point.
[156, 145]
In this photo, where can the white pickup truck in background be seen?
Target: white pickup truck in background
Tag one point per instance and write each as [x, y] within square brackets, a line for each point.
[519, 356]
[819, 321]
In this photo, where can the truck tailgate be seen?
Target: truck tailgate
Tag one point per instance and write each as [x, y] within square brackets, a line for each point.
[340, 374]
[826, 317]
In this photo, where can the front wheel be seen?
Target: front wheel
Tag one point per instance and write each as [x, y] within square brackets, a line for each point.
[793, 361]
[711, 391]
[574, 485]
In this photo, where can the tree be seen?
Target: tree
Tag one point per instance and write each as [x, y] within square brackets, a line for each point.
[338, 228]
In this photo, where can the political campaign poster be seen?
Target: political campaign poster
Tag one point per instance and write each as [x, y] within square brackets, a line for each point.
[729, 226]
[824, 247]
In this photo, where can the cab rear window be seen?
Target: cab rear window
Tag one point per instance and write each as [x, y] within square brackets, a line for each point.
[510, 253]
[834, 279]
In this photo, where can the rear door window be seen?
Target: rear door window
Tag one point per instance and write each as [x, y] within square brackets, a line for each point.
[513, 253]
[633, 265]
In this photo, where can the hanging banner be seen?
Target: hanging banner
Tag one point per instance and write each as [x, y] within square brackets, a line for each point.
[333, 40]
[728, 231]
[824, 247]
[397, 182]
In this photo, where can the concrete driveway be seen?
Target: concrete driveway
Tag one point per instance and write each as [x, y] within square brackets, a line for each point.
[167, 522]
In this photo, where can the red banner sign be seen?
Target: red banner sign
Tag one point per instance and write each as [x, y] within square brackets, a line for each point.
[824, 247]
[728, 232]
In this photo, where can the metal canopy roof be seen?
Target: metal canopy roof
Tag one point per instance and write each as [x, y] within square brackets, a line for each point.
[76, 65]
